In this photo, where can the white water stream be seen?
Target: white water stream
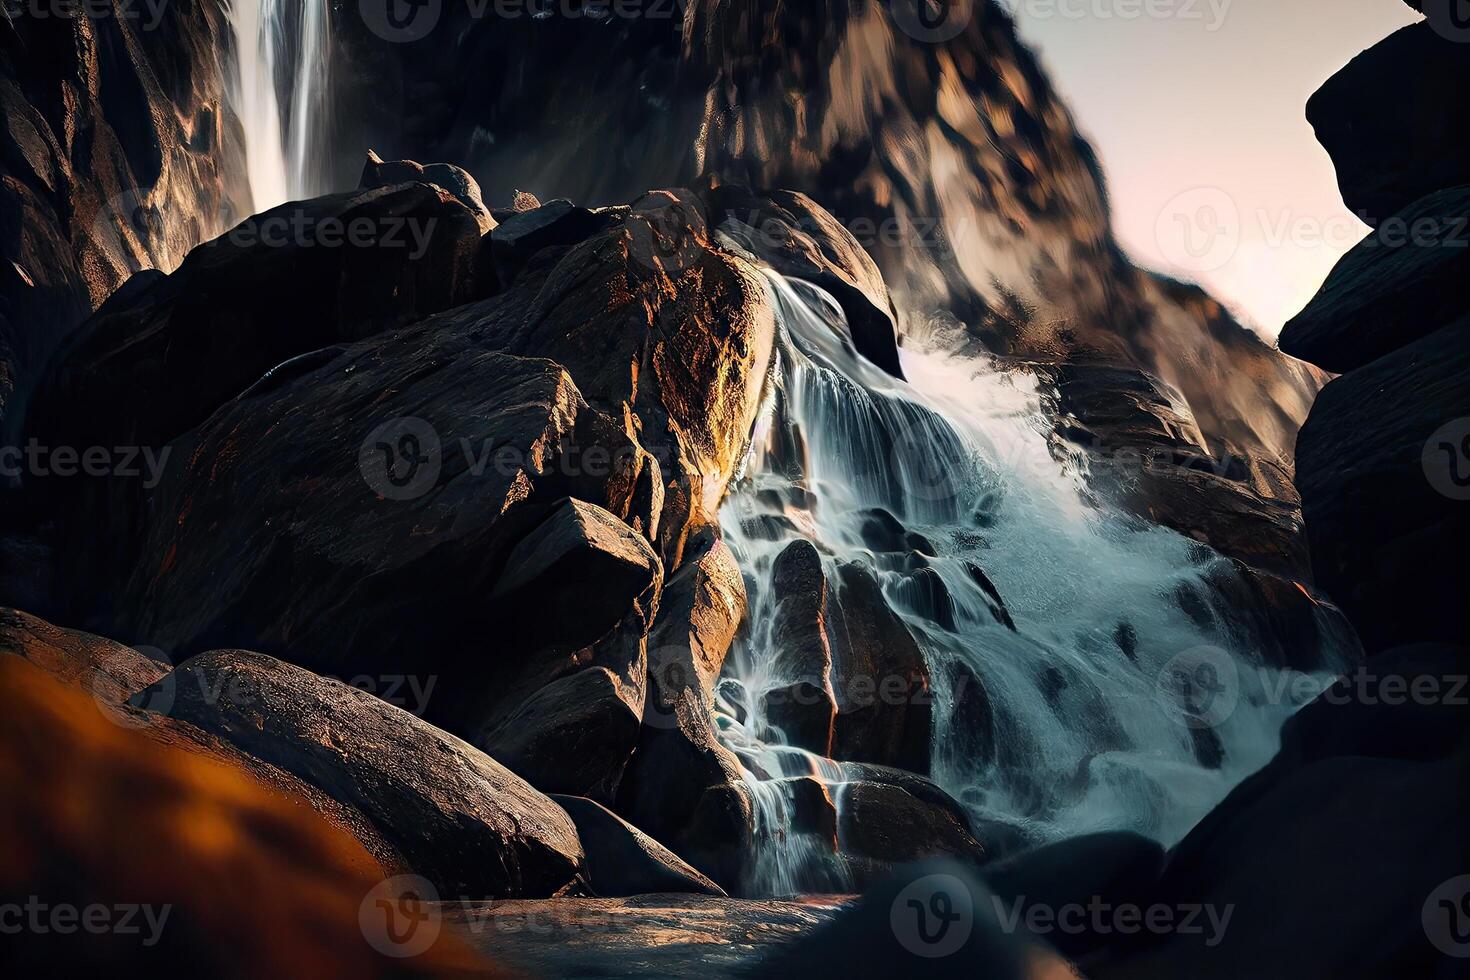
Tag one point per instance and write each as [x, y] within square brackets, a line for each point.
[281, 45]
[1085, 735]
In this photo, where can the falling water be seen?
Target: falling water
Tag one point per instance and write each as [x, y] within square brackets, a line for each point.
[1080, 736]
[274, 42]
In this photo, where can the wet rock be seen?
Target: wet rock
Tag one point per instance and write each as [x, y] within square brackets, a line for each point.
[879, 677]
[804, 707]
[1382, 468]
[973, 718]
[177, 825]
[459, 818]
[700, 610]
[881, 825]
[377, 546]
[1400, 284]
[1347, 763]
[802, 240]
[574, 736]
[624, 861]
[997, 603]
[456, 180]
[925, 594]
[1395, 143]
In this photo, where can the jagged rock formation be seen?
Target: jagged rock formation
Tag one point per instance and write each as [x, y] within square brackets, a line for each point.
[117, 153]
[949, 158]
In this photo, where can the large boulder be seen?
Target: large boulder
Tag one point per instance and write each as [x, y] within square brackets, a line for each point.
[1398, 285]
[252, 310]
[1382, 756]
[879, 676]
[803, 705]
[224, 874]
[896, 817]
[110, 671]
[622, 860]
[1381, 463]
[1385, 121]
[461, 820]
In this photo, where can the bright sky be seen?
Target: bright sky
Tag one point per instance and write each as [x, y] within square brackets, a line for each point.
[1197, 109]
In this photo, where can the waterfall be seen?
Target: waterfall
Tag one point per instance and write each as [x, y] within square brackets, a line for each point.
[1080, 738]
[276, 44]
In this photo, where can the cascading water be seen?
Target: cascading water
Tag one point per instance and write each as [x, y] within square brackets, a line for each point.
[274, 43]
[1080, 736]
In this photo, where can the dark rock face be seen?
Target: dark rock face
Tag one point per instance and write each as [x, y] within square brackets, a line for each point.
[378, 172]
[459, 818]
[1396, 143]
[111, 672]
[118, 153]
[624, 861]
[1400, 284]
[1362, 763]
[879, 676]
[882, 823]
[1383, 472]
[805, 709]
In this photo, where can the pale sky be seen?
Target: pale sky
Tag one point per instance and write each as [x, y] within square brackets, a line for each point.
[1197, 109]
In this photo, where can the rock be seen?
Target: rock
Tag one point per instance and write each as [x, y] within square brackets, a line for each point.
[801, 239]
[1382, 471]
[574, 736]
[1148, 455]
[456, 180]
[803, 706]
[1400, 284]
[297, 883]
[623, 861]
[109, 671]
[930, 919]
[1111, 870]
[699, 612]
[679, 761]
[292, 281]
[882, 824]
[459, 818]
[1348, 762]
[1386, 126]
[879, 676]
[161, 167]
[377, 546]
[556, 224]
